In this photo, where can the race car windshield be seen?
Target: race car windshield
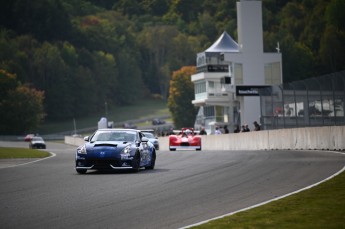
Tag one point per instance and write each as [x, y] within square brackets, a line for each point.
[188, 132]
[125, 136]
[149, 135]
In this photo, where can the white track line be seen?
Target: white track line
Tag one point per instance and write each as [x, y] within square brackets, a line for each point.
[268, 201]
[30, 162]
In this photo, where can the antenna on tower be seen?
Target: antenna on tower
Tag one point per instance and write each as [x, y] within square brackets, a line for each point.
[278, 48]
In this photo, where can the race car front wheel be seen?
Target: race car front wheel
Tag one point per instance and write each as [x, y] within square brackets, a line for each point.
[153, 161]
[136, 162]
[81, 171]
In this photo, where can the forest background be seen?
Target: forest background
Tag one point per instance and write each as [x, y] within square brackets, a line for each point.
[64, 59]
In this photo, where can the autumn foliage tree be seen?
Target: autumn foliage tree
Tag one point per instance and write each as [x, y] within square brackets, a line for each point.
[181, 96]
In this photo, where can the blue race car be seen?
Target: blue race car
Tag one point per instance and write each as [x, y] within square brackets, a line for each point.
[115, 149]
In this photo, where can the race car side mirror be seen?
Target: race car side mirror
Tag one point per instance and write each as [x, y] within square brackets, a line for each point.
[144, 139]
[86, 138]
[137, 143]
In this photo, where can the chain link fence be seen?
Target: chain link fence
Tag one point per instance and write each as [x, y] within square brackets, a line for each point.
[316, 101]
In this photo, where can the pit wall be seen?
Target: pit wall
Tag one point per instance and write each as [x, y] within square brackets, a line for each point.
[322, 138]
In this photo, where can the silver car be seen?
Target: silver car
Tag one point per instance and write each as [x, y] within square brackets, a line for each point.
[152, 138]
[37, 143]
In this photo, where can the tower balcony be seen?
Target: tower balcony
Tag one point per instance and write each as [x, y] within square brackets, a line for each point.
[212, 97]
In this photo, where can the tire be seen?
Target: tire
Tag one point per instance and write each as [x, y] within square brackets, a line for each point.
[136, 162]
[81, 171]
[153, 161]
[172, 149]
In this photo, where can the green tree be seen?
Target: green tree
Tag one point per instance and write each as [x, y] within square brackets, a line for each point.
[130, 86]
[164, 49]
[21, 107]
[332, 45]
[118, 51]
[298, 60]
[8, 82]
[84, 92]
[181, 96]
[14, 54]
[157, 49]
[292, 20]
[52, 76]
[114, 58]
[332, 49]
[335, 14]
[106, 76]
[207, 25]
[45, 19]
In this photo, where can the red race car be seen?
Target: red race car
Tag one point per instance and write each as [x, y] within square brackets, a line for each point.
[185, 139]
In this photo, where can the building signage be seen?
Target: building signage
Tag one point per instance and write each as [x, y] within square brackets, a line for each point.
[249, 90]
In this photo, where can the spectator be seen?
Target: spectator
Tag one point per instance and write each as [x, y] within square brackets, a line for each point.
[226, 130]
[237, 129]
[203, 131]
[256, 126]
[245, 128]
[217, 131]
[171, 131]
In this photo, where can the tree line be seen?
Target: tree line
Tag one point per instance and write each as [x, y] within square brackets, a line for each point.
[79, 55]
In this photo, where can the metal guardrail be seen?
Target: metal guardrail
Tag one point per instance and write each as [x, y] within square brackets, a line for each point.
[61, 135]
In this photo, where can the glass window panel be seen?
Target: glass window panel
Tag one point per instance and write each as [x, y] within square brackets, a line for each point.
[238, 73]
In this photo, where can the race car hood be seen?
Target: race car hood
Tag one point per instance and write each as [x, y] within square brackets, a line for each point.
[185, 139]
[37, 142]
[108, 146]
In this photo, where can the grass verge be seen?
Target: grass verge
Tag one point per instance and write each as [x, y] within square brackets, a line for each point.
[322, 207]
[8, 153]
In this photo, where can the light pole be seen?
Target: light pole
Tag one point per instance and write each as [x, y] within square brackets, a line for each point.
[75, 127]
[106, 109]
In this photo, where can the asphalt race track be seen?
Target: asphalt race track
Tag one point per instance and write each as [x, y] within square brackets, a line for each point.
[185, 188]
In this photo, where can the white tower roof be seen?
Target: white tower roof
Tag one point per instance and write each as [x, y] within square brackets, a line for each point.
[225, 43]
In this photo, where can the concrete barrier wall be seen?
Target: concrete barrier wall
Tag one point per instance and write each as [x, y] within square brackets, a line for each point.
[328, 137]
[323, 138]
[74, 141]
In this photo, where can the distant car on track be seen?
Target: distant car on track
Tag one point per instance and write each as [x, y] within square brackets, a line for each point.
[185, 139]
[158, 121]
[37, 143]
[152, 138]
[28, 137]
[129, 125]
[115, 149]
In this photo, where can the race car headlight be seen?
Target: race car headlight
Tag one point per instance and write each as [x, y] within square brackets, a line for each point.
[82, 150]
[126, 150]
